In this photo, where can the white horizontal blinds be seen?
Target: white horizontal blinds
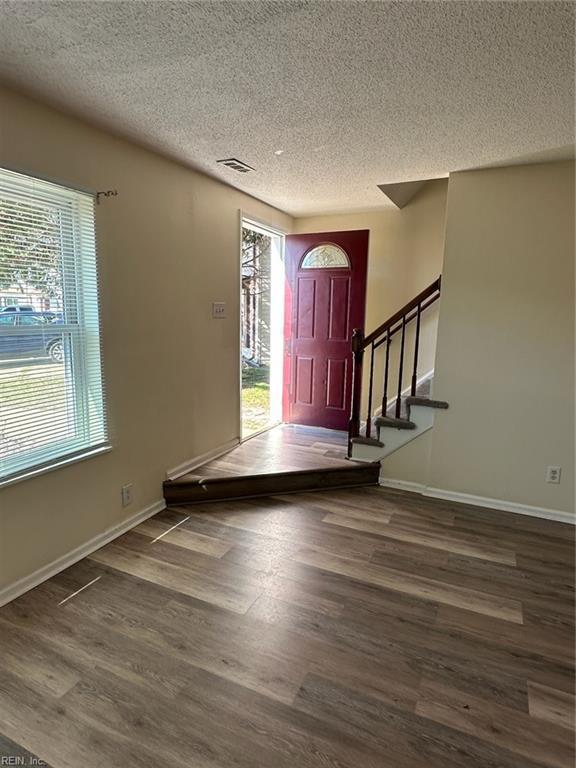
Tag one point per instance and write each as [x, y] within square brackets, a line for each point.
[51, 395]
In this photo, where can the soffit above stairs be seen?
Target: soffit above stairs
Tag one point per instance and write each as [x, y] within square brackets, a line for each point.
[402, 192]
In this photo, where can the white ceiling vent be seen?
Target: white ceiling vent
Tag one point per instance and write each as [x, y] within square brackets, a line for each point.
[236, 165]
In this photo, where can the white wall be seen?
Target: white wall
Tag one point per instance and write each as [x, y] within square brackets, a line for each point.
[168, 246]
[505, 349]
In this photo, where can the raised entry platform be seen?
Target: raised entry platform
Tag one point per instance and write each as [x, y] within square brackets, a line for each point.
[286, 459]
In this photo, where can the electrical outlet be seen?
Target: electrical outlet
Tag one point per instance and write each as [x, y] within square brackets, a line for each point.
[126, 495]
[553, 474]
[218, 310]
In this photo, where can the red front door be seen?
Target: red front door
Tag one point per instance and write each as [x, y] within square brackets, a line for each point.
[325, 301]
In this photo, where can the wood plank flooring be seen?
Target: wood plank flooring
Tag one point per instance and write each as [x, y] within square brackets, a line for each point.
[286, 448]
[360, 628]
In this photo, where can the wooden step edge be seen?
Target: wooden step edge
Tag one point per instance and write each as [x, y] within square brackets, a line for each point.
[249, 486]
[389, 421]
[192, 478]
[426, 401]
[367, 441]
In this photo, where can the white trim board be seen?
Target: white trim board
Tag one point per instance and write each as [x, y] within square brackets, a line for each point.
[203, 458]
[17, 588]
[479, 501]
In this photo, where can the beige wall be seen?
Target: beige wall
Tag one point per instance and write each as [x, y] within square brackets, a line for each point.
[505, 350]
[168, 246]
[405, 255]
[170, 241]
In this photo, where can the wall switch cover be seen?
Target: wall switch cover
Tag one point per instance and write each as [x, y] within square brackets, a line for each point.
[218, 310]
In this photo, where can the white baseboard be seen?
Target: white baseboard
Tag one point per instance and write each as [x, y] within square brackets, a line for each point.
[480, 501]
[197, 461]
[12, 591]
[402, 485]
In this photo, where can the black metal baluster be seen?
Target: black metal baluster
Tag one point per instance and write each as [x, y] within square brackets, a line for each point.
[399, 396]
[370, 386]
[384, 335]
[416, 344]
[386, 366]
[358, 357]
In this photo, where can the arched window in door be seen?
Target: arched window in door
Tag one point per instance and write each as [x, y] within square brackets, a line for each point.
[326, 256]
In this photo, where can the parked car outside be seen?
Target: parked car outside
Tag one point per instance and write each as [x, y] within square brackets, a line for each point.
[47, 342]
[18, 308]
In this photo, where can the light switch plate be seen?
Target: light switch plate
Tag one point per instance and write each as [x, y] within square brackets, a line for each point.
[218, 310]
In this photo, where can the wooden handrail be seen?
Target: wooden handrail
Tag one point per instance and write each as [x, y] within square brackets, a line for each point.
[384, 334]
[410, 317]
[432, 288]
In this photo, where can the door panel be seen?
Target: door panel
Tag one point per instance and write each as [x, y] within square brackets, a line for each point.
[336, 388]
[306, 308]
[304, 380]
[337, 310]
[325, 301]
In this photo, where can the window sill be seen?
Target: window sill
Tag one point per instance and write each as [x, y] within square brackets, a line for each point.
[57, 464]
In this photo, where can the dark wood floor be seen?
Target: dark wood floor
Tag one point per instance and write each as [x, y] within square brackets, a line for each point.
[357, 628]
[286, 448]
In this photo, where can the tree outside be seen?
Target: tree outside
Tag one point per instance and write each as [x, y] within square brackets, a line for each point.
[255, 328]
[31, 274]
[30, 255]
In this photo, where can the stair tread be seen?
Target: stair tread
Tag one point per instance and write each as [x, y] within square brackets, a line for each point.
[427, 401]
[390, 421]
[368, 441]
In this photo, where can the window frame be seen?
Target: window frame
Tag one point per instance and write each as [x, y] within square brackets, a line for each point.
[80, 328]
[319, 246]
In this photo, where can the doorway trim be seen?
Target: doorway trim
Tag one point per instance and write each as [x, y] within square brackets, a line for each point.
[277, 319]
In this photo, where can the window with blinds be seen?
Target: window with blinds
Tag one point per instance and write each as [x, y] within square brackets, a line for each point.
[51, 393]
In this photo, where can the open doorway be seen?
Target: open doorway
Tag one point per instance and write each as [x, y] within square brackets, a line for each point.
[261, 327]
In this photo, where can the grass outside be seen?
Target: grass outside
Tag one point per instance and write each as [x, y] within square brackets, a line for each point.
[255, 399]
[31, 394]
[36, 393]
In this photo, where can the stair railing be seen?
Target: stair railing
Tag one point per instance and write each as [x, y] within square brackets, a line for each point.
[384, 335]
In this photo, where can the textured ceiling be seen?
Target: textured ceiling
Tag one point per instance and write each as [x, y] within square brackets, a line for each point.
[355, 94]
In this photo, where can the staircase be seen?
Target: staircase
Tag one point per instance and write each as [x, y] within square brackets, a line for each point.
[408, 414]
